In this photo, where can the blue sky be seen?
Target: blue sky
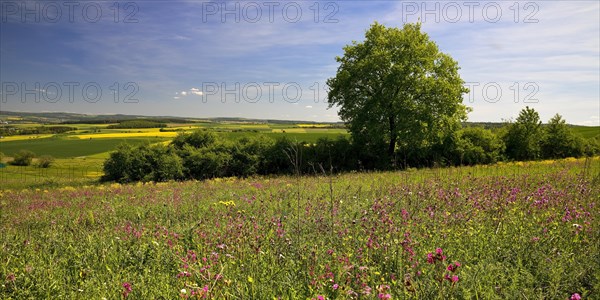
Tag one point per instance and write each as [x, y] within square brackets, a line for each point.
[269, 59]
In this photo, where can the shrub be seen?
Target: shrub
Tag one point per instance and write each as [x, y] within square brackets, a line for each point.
[560, 141]
[143, 163]
[115, 167]
[45, 161]
[23, 158]
[196, 139]
[204, 163]
[165, 164]
[479, 146]
[275, 159]
[523, 138]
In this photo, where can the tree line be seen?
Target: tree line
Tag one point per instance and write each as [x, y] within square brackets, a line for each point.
[12, 130]
[203, 155]
[132, 124]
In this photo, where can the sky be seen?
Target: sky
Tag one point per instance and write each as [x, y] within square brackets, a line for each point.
[271, 59]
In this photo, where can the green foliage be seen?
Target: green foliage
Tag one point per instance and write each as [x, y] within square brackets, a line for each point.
[143, 163]
[196, 139]
[12, 130]
[560, 141]
[22, 158]
[45, 161]
[130, 124]
[524, 136]
[592, 146]
[398, 93]
[276, 157]
[247, 156]
[203, 155]
[203, 163]
[166, 164]
[479, 146]
[333, 155]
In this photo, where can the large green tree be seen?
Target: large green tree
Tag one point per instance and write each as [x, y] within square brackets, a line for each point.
[396, 90]
[524, 136]
[560, 141]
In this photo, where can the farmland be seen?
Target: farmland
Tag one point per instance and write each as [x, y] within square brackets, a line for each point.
[505, 231]
[80, 153]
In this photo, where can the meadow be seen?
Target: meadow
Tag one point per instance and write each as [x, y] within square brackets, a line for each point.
[504, 231]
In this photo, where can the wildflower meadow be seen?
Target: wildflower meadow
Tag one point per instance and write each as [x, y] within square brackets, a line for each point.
[504, 231]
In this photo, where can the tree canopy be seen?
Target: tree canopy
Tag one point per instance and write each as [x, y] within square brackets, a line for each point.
[396, 90]
[524, 136]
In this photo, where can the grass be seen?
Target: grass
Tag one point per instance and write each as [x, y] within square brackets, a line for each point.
[63, 172]
[518, 230]
[587, 132]
[24, 137]
[61, 146]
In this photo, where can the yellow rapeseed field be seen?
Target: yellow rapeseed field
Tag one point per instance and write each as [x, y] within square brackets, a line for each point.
[289, 130]
[24, 137]
[125, 135]
[314, 125]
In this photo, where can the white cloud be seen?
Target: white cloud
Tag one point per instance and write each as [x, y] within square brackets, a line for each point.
[592, 121]
[192, 91]
[196, 91]
[175, 98]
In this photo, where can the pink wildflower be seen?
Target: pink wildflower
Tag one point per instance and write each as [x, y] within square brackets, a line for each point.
[575, 296]
[430, 258]
[453, 267]
[127, 289]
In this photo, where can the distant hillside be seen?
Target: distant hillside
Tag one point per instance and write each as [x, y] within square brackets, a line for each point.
[587, 132]
[75, 118]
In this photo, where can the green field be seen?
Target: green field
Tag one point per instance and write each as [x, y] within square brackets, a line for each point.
[588, 132]
[64, 147]
[63, 172]
[506, 231]
[92, 139]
